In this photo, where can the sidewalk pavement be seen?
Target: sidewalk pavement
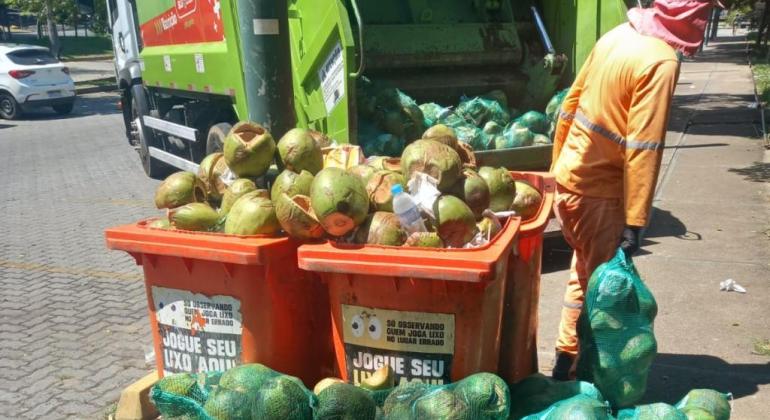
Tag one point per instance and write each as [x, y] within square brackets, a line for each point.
[84, 71]
[711, 222]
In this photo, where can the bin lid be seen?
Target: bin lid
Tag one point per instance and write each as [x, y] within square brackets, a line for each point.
[138, 238]
[469, 265]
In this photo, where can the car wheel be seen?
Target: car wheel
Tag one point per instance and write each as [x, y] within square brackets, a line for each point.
[216, 139]
[9, 108]
[64, 109]
[145, 137]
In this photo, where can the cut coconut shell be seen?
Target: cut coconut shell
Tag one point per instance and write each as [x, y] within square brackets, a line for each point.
[234, 192]
[528, 200]
[178, 189]
[379, 189]
[489, 228]
[385, 163]
[467, 156]
[424, 240]
[291, 183]
[210, 173]
[297, 218]
[249, 150]
[433, 158]
[298, 151]
[339, 200]
[474, 191]
[502, 188]
[252, 214]
[455, 221]
[160, 223]
[364, 172]
[193, 216]
[381, 228]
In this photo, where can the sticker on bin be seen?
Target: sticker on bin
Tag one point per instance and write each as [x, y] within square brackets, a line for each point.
[198, 333]
[418, 346]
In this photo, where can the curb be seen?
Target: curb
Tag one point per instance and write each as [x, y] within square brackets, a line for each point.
[87, 86]
[97, 57]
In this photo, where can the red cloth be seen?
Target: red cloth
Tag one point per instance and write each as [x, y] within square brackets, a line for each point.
[680, 23]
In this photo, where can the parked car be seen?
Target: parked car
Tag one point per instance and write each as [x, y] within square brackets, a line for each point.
[31, 77]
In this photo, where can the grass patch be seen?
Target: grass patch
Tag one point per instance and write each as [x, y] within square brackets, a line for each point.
[762, 78]
[72, 48]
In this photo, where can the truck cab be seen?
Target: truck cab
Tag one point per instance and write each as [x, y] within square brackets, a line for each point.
[126, 45]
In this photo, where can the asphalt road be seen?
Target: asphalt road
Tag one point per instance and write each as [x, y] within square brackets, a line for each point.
[74, 330]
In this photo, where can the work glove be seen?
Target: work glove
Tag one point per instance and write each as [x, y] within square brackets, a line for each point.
[631, 240]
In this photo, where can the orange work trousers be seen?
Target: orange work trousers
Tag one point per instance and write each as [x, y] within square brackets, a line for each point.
[592, 227]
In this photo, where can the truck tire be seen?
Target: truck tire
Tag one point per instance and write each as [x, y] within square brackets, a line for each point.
[9, 108]
[140, 107]
[125, 107]
[216, 138]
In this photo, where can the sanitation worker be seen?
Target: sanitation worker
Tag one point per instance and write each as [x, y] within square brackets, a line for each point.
[609, 141]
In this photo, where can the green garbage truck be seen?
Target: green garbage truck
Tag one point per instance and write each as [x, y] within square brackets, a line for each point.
[190, 69]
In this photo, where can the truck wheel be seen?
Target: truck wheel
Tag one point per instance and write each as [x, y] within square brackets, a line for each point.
[144, 136]
[126, 108]
[9, 108]
[216, 138]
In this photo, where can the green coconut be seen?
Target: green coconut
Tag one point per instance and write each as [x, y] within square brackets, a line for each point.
[473, 190]
[339, 200]
[364, 172]
[433, 158]
[193, 216]
[249, 150]
[486, 395]
[252, 214]
[455, 222]
[381, 228]
[379, 189]
[488, 227]
[345, 402]
[502, 187]
[234, 192]
[210, 173]
[527, 200]
[160, 223]
[178, 189]
[325, 383]
[297, 218]
[291, 183]
[298, 151]
[321, 139]
[442, 134]
[247, 378]
[227, 404]
[282, 398]
[441, 403]
[424, 240]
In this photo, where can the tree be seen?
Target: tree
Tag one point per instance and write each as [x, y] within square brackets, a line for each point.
[48, 11]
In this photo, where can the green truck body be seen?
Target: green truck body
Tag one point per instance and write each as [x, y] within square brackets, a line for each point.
[289, 63]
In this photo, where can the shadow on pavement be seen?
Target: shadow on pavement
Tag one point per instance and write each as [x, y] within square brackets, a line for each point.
[6, 126]
[758, 172]
[85, 105]
[674, 375]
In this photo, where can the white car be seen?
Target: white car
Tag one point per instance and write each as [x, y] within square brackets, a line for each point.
[31, 77]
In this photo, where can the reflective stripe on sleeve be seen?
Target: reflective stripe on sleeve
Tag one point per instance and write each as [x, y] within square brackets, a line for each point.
[573, 305]
[615, 137]
[566, 116]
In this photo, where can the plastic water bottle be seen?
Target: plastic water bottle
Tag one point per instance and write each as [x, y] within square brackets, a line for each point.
[406, 210]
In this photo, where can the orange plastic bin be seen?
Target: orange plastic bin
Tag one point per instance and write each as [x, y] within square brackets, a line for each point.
[218, 300]
[433, 315]
[518, 351]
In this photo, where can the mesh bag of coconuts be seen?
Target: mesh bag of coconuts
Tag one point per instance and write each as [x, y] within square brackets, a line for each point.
[388, 119]
[254, 391]
[300, 186]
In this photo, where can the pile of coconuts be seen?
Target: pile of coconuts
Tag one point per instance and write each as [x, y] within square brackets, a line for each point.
[309, 202]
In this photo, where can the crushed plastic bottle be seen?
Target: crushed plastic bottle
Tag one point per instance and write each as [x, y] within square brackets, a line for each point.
[407, 211]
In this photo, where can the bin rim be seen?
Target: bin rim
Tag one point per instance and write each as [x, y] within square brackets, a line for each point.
[456, 264]
[139, 238]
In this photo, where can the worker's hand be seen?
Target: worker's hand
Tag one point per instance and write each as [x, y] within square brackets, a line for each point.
[631, 240]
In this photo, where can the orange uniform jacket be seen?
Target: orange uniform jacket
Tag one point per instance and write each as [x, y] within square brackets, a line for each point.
[612, 125]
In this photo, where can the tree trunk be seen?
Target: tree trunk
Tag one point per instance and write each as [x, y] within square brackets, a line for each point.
[53, 35]
[761, 34]
[715, 23]
[39, 29]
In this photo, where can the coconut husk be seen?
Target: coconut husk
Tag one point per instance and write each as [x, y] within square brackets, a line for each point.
[381, 228]
[210, 173]
[424, 240]
[297, 218]
[298, 151]
[528, 200]
[178, 189]
[249, 149]
[474, 191]
[455, 222]
[234, 192]
[385, 163]
[502, 188]
[442, 134]
[193, 216]
[291, 183]
[339, 200]
[252, 214]
[433, 158]
[467, 156]
[379, 189]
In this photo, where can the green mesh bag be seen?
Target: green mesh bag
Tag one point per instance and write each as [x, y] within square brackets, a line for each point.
[375, 142]
[537, 392]
[239, 393]
[433, 113]
[482, 396]
[657, 411]
[615, 332]
[705, 404]
[479, 111]
[579, 407]
[344, 401]
[514, 135]
[535, 121]
[554, 105]
[475, 137]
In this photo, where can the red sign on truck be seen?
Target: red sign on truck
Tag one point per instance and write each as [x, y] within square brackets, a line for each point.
[186, 22]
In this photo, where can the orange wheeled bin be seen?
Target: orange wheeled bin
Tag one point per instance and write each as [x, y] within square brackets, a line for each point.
[518, 350]
[218, 300]
[433, 315]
